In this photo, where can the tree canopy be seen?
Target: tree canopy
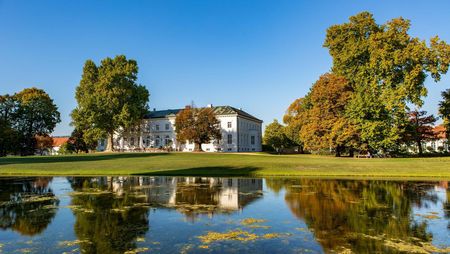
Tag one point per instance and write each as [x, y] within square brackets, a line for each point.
[109, 98]
[444, 110]
[24, 116]
[319, 119]
[275, 136]
[419, 128]
[386, 69]
[293, 120]
[197, 125]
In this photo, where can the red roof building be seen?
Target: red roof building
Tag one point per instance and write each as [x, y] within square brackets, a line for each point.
[58, 141]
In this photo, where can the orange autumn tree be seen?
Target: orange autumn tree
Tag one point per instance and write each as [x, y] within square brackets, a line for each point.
[43, 143]
[322, 117]
[197, 125]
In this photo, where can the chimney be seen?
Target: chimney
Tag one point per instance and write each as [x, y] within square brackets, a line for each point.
[209, 106]
[154, 109]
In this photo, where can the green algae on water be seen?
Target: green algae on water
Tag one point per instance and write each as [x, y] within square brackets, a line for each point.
[235, 235]
[137, 250]
[251, 221]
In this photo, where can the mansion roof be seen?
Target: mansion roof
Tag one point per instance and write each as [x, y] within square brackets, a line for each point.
[218, 110]
[58, 141]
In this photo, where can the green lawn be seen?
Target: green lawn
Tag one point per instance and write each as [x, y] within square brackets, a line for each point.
[215, 164]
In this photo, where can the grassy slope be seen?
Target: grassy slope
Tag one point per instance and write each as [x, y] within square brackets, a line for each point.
[209, 164]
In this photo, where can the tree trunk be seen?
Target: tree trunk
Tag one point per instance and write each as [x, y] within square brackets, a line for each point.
[198, 147]
[338, 151]
[419, 146]
[301, 150]
[110, 144]
[351, 152]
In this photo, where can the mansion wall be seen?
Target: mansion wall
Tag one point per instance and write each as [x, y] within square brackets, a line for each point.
[239, 134]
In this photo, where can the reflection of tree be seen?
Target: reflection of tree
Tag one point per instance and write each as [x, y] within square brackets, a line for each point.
[447, 204]
[107, 222]
[27, 205]
[350, 213]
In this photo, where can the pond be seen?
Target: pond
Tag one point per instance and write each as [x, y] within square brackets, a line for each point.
[222, 215]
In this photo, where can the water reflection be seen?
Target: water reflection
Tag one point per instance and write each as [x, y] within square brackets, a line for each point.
[111, 213]
[135, 214]
[360, 215]
[189, 195]
[27, 204]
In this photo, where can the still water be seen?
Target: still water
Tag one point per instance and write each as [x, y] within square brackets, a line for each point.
[222, 215]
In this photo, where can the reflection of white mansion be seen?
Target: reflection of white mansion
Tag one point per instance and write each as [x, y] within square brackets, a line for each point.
[241, 132]
[222, 193]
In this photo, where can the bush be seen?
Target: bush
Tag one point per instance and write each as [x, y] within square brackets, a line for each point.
[66, 148]
[267, 148]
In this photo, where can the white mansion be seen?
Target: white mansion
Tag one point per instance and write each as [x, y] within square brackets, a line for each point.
[241, 132]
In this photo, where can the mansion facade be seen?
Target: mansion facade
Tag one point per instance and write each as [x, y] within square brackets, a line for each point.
[241, 132]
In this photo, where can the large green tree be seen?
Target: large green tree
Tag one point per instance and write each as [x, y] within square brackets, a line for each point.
[36, 115]
[78, 144]
[197, 125]
[444, 110]
[8, 135]
[109, 99]
[386, 68]
[275, 136]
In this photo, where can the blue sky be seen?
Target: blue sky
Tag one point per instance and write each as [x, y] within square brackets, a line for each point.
[256, 55]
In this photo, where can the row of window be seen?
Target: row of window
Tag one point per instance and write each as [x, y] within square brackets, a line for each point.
[148, 141]
[243, 125]
[168, 140]
[435, 146]
[245, 138]
[248, 126]
[166, 127]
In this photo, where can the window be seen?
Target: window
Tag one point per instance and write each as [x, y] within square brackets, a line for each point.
[157, 127]
[229, 124]
[167, 140]
[157, 141]
[252, 140]
[230, 182]
[132, 141]
[102, 142]
[230, 139]
[167, 126]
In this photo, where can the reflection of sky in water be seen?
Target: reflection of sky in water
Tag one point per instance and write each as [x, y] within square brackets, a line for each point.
[176, 211]
[439, 226]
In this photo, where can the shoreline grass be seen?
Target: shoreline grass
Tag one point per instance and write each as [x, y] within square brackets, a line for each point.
[221, 164]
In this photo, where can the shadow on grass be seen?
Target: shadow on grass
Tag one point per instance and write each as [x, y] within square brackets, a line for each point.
[75, 158]
[222, 171]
